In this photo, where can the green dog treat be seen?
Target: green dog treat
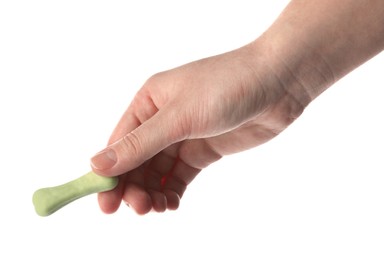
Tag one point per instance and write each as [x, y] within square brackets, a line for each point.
[49, 200]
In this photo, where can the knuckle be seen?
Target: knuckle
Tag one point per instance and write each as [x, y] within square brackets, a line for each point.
[131, 145]
[154, 80]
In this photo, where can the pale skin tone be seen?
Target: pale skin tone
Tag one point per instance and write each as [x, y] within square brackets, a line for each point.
[186, 118]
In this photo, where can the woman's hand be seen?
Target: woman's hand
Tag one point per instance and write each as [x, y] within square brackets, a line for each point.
[186, 118]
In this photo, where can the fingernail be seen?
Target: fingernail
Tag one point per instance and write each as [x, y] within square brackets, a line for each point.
[104, 160]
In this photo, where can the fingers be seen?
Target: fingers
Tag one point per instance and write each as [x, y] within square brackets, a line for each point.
[153, 187]
[157, 185]
[130, 151]
[137, 198]
[143, 201]
[109, 201]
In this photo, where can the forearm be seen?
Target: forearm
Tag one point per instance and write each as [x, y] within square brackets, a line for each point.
[314, 43]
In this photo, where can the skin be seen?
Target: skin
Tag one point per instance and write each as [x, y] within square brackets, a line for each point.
[186, 118]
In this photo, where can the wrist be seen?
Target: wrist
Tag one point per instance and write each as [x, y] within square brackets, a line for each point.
[303, 75]
[301, 70]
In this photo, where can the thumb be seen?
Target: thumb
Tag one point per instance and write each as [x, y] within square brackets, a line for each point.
[129, 152]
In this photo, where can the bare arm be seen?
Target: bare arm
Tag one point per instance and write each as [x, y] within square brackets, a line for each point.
[315, 43]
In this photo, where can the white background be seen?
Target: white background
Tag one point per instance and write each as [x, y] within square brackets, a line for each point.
[68, 70]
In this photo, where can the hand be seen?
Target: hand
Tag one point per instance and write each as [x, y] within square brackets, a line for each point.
[186, 118]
